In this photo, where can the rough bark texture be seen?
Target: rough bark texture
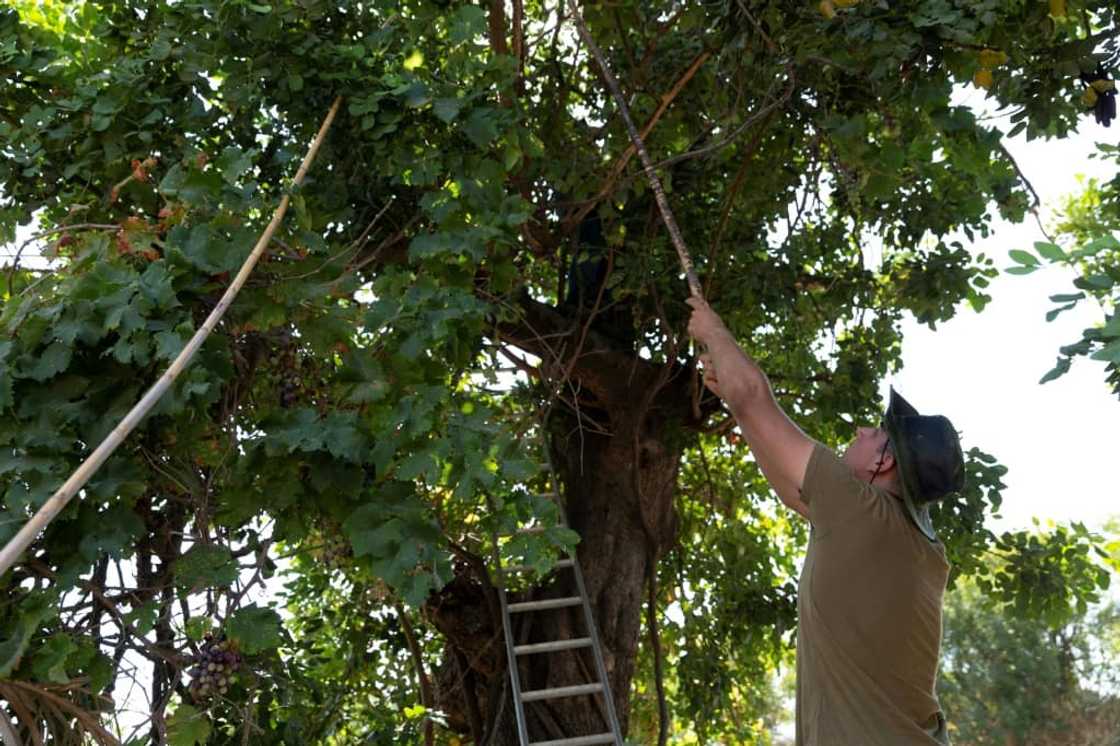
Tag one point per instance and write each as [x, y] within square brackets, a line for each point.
[617, 460]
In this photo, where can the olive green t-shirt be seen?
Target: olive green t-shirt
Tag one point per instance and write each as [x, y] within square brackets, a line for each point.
[869, 609]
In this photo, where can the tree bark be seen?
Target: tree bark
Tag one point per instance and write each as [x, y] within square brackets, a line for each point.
[619, 476]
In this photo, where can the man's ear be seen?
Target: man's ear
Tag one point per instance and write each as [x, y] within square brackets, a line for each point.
[885, 461]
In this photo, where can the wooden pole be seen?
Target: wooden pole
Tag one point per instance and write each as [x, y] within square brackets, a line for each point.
[14, 548]
[647, 164]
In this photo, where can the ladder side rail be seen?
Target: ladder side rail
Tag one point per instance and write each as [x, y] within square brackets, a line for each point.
[511, 657]
[597, 649]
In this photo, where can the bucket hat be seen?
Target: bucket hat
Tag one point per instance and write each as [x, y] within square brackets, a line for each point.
[927, 451]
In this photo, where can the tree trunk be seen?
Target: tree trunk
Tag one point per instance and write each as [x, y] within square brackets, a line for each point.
[618, 471]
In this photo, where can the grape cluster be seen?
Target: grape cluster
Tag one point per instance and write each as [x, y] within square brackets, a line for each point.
[336, 552]
[214, 668]
[330, 546]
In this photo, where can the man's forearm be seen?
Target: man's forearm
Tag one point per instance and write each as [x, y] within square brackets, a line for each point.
[742, 382]
[746, 391]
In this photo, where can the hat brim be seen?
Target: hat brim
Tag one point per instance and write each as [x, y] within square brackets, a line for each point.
[895, 423]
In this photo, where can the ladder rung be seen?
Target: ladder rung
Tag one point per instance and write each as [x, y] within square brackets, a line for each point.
[551, 647]
[578, 740]
[524, 568]
[548, 603]
[561, 691]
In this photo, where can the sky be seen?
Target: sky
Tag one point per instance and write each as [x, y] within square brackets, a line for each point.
[1058, 440]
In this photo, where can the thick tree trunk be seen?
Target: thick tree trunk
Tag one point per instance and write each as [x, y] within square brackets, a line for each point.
[618, 470]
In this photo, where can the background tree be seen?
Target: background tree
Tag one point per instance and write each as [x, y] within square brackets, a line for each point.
[1088, 225]
[474, 305]
[996, 662]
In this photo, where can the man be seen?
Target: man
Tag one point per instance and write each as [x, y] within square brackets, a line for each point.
[869, 599]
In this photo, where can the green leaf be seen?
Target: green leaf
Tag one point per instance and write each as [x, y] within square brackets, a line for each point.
[303, 217]
[255, 629]
[144, 617]
[160, 50]
[1051, 251]
[188, 727]
[196, 246]
[173, 180]
[1109, 353]
[205, 566]
[49, 661]
[233, 163]
[30, 614]
[168, 345]
[109, 531]
[481, 127]
[1067, 297]
[298, 430]
[1111, 326]
[421, 462]
[155, 285]
[1094, 282]
[1059, 370]
[1053, 313]
[78, 327]
[342, 437]
[198, 627]
[1020, 270]
[447, 108]
[1023, 257]
[403, 543]
[432, 244]
[1096, 246]
[469, 22]
[53, 360]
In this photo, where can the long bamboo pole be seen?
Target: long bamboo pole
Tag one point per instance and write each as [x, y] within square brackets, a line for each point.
[15, 547]
[640, 146]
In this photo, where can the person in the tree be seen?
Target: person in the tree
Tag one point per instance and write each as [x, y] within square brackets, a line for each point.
[869, 599]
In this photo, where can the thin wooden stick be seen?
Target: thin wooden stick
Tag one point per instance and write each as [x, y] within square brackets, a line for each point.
[14, 548]
[636, 138]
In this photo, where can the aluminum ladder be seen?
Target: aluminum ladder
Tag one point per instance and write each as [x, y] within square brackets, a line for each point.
[513, 652]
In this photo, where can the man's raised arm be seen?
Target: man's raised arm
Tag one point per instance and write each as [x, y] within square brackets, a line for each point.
[779, 446]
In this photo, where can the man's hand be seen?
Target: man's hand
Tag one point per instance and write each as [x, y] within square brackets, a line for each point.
[709, 371]
[705, 325]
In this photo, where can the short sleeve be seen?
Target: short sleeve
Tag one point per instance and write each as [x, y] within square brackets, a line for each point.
[831, 491]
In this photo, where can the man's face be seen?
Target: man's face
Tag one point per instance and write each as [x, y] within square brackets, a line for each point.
[864, 452]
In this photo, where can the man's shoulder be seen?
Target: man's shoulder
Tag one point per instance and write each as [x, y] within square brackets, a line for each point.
[827, 476]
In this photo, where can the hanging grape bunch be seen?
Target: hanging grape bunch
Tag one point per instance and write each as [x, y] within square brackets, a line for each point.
[329, 545]
[289, 373]
[214, 668]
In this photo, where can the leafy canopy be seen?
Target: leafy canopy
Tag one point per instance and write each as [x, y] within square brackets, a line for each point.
[354, 423]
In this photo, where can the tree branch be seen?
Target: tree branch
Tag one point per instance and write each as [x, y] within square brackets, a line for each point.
[1030, 187]
[497, 25]
[421, 674]
[620, 164]
[655, 646]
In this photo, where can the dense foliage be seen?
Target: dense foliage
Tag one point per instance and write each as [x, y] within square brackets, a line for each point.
[422, 354]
